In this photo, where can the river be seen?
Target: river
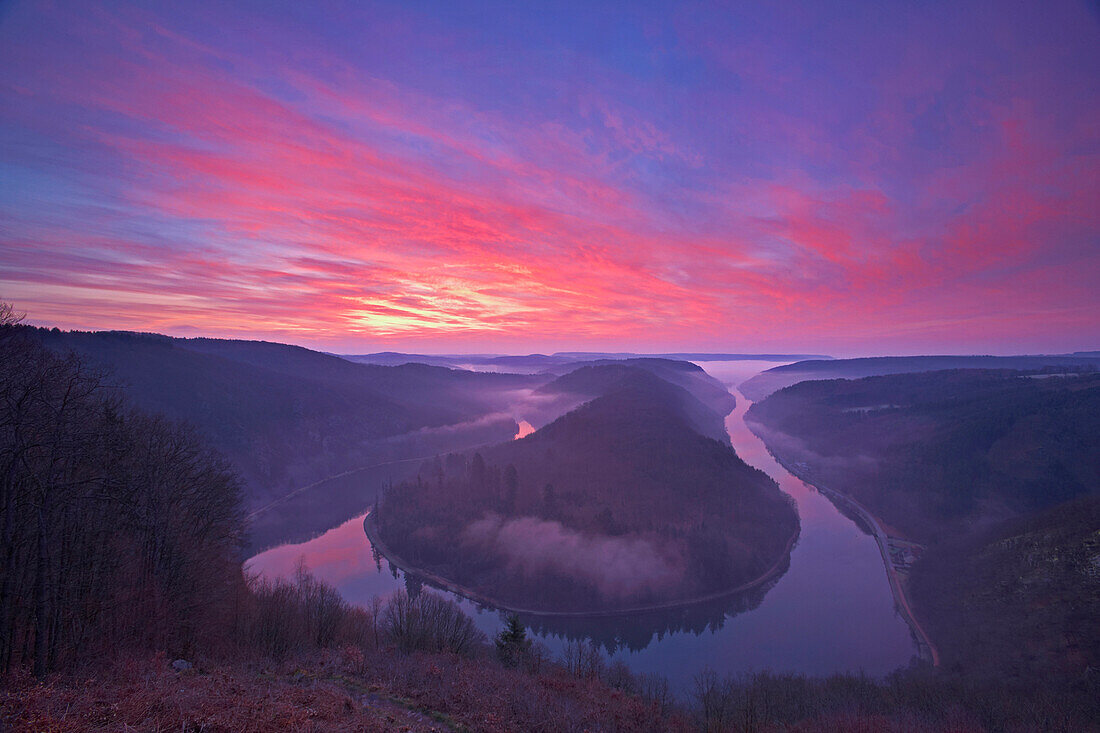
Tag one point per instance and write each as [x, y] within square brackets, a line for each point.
[831, 610]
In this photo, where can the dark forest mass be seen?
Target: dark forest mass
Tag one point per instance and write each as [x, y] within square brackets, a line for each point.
[619, 503]
[997, 472]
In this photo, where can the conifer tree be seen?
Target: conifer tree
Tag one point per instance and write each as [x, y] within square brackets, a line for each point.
[513, 645]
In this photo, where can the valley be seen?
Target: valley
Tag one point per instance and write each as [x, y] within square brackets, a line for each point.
[850, 624]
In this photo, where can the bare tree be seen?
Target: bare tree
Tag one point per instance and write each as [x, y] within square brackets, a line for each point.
[117, 528]
[429, 622]
[9, 316]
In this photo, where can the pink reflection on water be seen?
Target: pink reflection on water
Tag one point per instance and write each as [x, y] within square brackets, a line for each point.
[752, 450]
[525, 429]
[339, 554]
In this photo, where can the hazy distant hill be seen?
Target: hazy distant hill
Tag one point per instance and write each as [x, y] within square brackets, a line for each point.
[561, 395]
[688, 356]
[531, 363]
[772, 380]
[705, 402]
[487, 362]
[288, 416]
[619, 502]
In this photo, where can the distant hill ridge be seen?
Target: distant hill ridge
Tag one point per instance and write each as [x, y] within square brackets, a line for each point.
[538, 362]
[776, 378]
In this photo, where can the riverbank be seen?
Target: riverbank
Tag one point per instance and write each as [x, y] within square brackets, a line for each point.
[776, 569]
[926, 649]
[813, 616]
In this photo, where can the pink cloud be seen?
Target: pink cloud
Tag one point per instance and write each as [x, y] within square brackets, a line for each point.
[322, 205]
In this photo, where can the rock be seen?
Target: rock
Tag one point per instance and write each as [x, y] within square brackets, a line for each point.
[181, 665]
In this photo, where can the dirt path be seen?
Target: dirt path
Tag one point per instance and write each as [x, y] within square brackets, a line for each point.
[397, 712]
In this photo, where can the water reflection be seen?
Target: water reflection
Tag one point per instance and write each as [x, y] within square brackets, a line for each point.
[831, 609]
[639, 630]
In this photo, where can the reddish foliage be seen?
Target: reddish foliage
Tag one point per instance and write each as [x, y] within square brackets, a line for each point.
[150, 696]
[325, 693]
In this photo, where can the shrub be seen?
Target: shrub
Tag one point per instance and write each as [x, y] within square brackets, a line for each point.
[513, 646]
[281, 617]
[583, 659]
[429, 622]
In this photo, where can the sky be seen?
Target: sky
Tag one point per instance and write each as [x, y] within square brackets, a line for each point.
[843, 178]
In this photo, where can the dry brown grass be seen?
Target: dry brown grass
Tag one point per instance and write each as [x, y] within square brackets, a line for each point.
[337, 691]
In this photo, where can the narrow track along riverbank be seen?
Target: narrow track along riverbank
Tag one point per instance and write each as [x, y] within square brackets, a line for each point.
[925, 647]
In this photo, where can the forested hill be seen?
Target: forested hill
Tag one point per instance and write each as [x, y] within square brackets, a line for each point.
[621, 502]
[932, 451]
[998, 472]
[1019, 599]
[775, 379]
[287, 416]
[701, 399]
[691, 377]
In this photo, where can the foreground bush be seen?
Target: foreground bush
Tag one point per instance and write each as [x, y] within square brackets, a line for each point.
[280, 618]
[911, 701]
[429, 622]
[283, 617]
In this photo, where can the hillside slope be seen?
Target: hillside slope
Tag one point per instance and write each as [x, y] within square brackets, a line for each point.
[287, 416]
[700, 396]
[998, 472]
[1018, 597]
[935, 453]
[619, 503]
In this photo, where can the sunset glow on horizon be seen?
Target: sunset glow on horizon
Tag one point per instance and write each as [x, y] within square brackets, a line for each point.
[480, 177]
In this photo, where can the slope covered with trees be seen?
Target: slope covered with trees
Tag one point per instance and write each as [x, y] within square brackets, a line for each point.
[1019, 597]
[933, 453]
[287, 417]
[709, 404]
[997, 471]
[619, 503]
[117, 527]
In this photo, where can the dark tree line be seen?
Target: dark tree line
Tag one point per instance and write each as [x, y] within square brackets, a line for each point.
[936, 453]
[116, 528]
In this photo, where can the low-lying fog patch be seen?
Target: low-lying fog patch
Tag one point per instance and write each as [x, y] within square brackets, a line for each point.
[539, 408]
[620, 567]
[487, 420]
[787, 444]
